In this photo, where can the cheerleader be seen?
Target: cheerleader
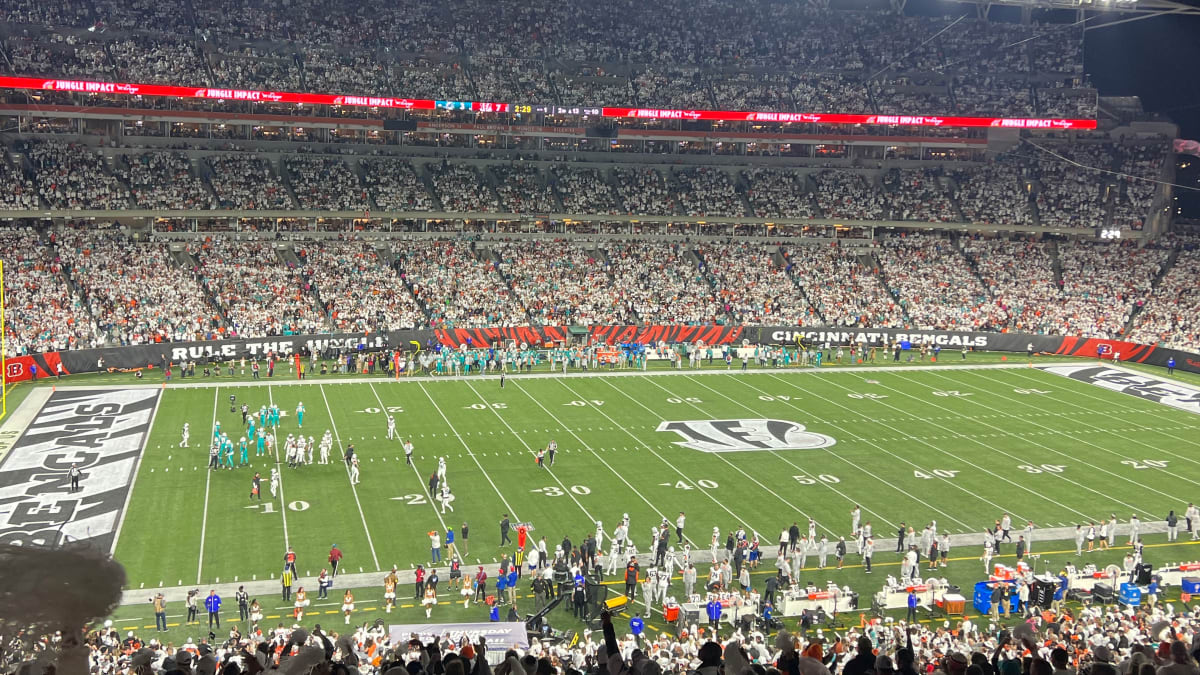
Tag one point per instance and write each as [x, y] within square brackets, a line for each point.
[301, 602]
[389, 591]
[348, 604]
[256, 614]
[754, 553]
[430, 599]
[468, 589]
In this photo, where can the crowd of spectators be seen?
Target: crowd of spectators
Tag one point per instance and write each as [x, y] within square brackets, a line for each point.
[665, 283]
[708, 191]
[1102, 285]
[993, 193]
[841, 289]
[562, 283]
[244, 181]
[20, 192]
[779, 193]
[71, 176]
[325, 183]
[849, 194]
[457, 285]
[257, 292]
[585, 190]
[522, 190]
[394, 186]
[753, 287]
[644, 192]
[1072, 194]
[164, 180]
[936, 286]
[461, 189]
[1019, 275]
[158, 60]
[360, 291]
[666, 54]
[918, 194]
[1171, 316]
[133, 291]
[42, 311]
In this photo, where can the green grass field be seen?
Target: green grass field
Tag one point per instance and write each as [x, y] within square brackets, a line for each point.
[957, 446]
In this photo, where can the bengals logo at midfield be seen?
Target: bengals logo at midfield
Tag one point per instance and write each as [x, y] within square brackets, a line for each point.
[745, 435]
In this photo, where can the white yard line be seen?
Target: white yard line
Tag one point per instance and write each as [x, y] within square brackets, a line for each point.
[511, 512]
[780, 455]
[282, 501]
[1154, 409]
[137, 471]
[979, 466]
[338, 437]
[946, 481]
[420, 479]
[1074, 437]
[208, 471]
[595, 454]
[565, 489]
[877, 446]
[702, 490]
[786, 502]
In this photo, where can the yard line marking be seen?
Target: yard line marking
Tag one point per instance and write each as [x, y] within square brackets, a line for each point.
[731, 464]
[207, 482]
[353, 487]
[704, 492]
[432, 501]
[1152, 410]
[902, 459]
[483, 471]
[282, 501]
[566, 490]
[1073, 436]
[568, 430]
[978, 442]
[827, 450]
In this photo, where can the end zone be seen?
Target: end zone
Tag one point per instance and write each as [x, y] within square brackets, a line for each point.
[102, 432]
[1125, 381]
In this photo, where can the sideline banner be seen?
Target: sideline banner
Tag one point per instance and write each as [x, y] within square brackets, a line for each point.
[500, 636]
[102, 434]
[155, 355]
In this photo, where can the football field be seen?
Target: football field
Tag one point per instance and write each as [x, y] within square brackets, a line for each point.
[758, 450]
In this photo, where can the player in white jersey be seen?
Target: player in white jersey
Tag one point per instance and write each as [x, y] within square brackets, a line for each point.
[183, 443]
[446, 498]
[715, 544]
[312, 445]
[391, 427]
[599, 535]
[289, 450]
[325, 446]
[274, 481]
[441, 470]
[301, 450]
[354, 471]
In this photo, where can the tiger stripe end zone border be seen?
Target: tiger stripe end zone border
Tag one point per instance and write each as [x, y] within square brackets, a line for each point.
[1148, 387]
[104, 433]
